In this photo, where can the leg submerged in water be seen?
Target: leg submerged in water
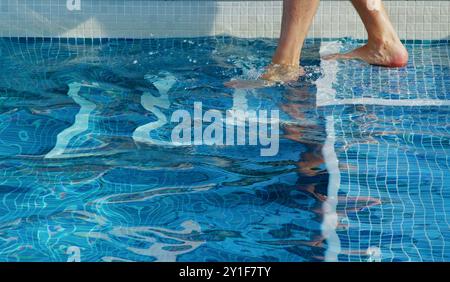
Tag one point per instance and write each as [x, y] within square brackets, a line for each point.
[285, 67]
[297, 18]
[384, 47]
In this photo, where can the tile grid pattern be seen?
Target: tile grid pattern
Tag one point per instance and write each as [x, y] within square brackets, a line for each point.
[419, 175]
[191, 18]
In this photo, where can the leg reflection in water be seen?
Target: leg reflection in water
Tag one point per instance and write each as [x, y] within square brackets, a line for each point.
[309, 129]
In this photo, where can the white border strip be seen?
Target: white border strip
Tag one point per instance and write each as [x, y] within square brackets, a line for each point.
[330, 216]
[164, 82]
[80, 124]
[325, 93]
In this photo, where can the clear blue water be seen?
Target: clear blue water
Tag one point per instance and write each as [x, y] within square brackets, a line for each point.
[76, 185]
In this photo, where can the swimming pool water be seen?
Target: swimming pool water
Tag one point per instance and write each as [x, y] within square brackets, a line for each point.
[361, 175]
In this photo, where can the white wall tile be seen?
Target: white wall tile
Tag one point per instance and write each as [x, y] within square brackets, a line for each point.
[122, 18]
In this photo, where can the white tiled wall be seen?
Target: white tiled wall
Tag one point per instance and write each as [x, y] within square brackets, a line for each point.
[186, 18]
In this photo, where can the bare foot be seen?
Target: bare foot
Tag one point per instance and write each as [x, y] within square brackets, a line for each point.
[248, 84]
[274, 74]
[282, 73]
[393, 55]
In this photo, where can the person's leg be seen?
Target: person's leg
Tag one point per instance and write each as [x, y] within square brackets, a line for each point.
[384, 47]
[297, 18]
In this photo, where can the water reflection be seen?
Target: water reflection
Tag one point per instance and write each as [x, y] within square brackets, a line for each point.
[120, 200]
[308, 129]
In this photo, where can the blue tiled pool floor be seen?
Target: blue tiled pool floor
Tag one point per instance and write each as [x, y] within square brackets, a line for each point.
[361, 173]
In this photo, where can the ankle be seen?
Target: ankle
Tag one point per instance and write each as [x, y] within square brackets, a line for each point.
[383, 41]
[286, 58]
[391, 49]
[288, 62]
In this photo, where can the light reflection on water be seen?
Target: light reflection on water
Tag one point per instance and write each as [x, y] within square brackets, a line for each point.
[77, 170]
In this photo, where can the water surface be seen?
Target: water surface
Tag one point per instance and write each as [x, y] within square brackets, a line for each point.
[81, 179]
